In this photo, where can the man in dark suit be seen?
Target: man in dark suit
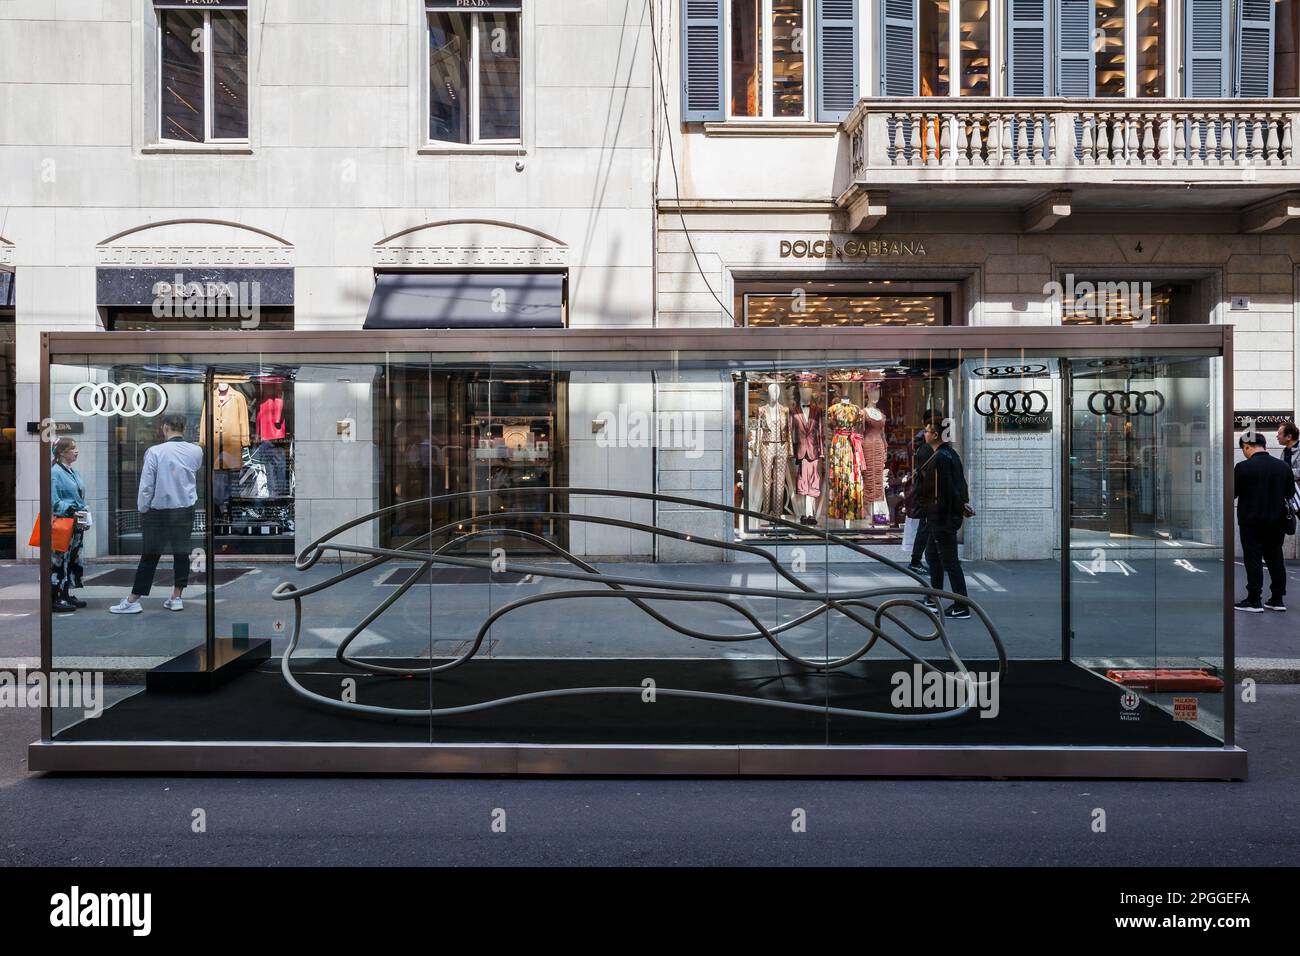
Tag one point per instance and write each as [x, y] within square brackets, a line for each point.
[1263, 485]
[941, 497]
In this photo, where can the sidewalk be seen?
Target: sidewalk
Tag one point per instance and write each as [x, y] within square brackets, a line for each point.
[1116, 620]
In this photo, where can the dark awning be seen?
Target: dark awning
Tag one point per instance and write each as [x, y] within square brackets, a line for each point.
[467, 300]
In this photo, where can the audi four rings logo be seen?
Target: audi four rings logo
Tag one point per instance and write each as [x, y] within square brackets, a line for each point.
[1024, 403]
[128, 399]
[1010, 371]
[1126, 403]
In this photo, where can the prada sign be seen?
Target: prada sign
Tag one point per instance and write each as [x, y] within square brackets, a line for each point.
[187, 4]
[851, 248]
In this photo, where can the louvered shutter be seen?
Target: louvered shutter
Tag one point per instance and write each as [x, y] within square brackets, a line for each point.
[837, 58]
[898, 48]
[1254, 48]
[1076, 73]
[1027, 68]
[1205, 73]
[701, 61]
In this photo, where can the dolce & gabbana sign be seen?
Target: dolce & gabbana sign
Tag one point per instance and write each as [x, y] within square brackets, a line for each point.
[851, 248]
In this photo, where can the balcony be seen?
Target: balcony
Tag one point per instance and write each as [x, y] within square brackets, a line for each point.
[1048, 158]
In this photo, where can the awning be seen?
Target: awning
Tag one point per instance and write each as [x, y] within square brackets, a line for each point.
[467, 300]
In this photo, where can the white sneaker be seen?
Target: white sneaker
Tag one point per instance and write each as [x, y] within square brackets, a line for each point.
[173, 604]
[126, 607]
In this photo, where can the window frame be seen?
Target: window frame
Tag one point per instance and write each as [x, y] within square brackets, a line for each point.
[809, 65]
[208, 79]
[475, 97]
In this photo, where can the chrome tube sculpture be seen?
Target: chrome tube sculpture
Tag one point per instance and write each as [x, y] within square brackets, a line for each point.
[872, 609]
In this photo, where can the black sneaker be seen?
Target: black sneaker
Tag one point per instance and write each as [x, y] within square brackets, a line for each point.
[62, 605]
[76, 600]
[918, 569]
[1254, 607]
[931, 603]
[1275, 604]
[959, 611]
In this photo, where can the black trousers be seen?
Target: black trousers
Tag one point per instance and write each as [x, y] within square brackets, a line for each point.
[166, 531]
[1261, 545]
[941, 554]
[922, 539]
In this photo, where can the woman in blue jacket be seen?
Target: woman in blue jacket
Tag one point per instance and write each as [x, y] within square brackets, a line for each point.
[67, 497]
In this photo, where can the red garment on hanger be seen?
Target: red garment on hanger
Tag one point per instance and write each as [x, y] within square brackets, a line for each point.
[270, 409]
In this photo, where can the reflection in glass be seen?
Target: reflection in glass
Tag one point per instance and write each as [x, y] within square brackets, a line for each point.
[449, 45]
[1150, 48]
[788, 44]
[182, 75]
[498, 49]
[746, 58]
[812, 310]
[975, 49]
[229, 75]
[935, 53]
[1108, 47]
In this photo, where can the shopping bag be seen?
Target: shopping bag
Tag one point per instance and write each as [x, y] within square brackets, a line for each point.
[61, 533]
[909, 532]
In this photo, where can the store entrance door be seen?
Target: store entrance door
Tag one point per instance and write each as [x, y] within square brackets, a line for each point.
[475, 429]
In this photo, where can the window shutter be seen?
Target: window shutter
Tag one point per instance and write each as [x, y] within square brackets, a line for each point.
[837, 59]
[1255, 48]
[701, 61]
[1076, 74]
[1027, 66]
[1206, 69]
[898, 48]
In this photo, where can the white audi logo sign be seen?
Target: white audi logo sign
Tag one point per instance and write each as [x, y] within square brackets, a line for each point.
[128, 399]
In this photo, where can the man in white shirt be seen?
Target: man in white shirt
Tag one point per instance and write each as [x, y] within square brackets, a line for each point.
[166, 502]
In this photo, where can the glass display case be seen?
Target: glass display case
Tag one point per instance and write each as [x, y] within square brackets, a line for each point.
[585, 577]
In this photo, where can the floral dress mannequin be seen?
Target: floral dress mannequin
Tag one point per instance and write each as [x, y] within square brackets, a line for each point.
[844, 462]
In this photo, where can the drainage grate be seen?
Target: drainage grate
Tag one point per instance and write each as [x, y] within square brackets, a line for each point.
[400, 576]
[125, 577]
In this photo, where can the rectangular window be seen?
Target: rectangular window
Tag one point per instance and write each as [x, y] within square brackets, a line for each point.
[203, 75]
[936, 55]
[1108, 47]
[1150, 52]
[474, 74]
[768, 58]
[976, 53]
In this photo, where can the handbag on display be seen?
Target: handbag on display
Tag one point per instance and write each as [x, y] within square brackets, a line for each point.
[60, 534]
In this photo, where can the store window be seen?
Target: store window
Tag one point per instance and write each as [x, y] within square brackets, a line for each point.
[1132, 302]
[447, 432]
[801, 303]
[474, 73]
[833, 448]
[203, 74]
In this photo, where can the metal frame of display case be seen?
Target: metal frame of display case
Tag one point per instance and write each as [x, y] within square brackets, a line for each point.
[1178, 762]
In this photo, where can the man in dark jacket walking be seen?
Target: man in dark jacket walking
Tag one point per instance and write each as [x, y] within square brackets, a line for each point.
[941, 495]
[1263, 485]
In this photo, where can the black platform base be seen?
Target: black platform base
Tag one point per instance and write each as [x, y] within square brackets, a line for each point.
[192, 671]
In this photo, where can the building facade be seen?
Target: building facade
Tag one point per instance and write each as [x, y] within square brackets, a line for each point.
[189, 157]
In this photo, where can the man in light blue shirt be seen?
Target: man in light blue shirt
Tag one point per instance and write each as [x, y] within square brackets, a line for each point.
[166, 502]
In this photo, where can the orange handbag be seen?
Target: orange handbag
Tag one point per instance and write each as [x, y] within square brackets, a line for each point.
[61, 531]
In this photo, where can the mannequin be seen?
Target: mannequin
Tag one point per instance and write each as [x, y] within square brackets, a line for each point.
[874, 451]
[809, 450]
[771, 436]
[230, 436]
[844, 461]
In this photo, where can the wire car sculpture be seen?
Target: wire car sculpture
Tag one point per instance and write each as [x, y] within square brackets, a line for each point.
[874, 610]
